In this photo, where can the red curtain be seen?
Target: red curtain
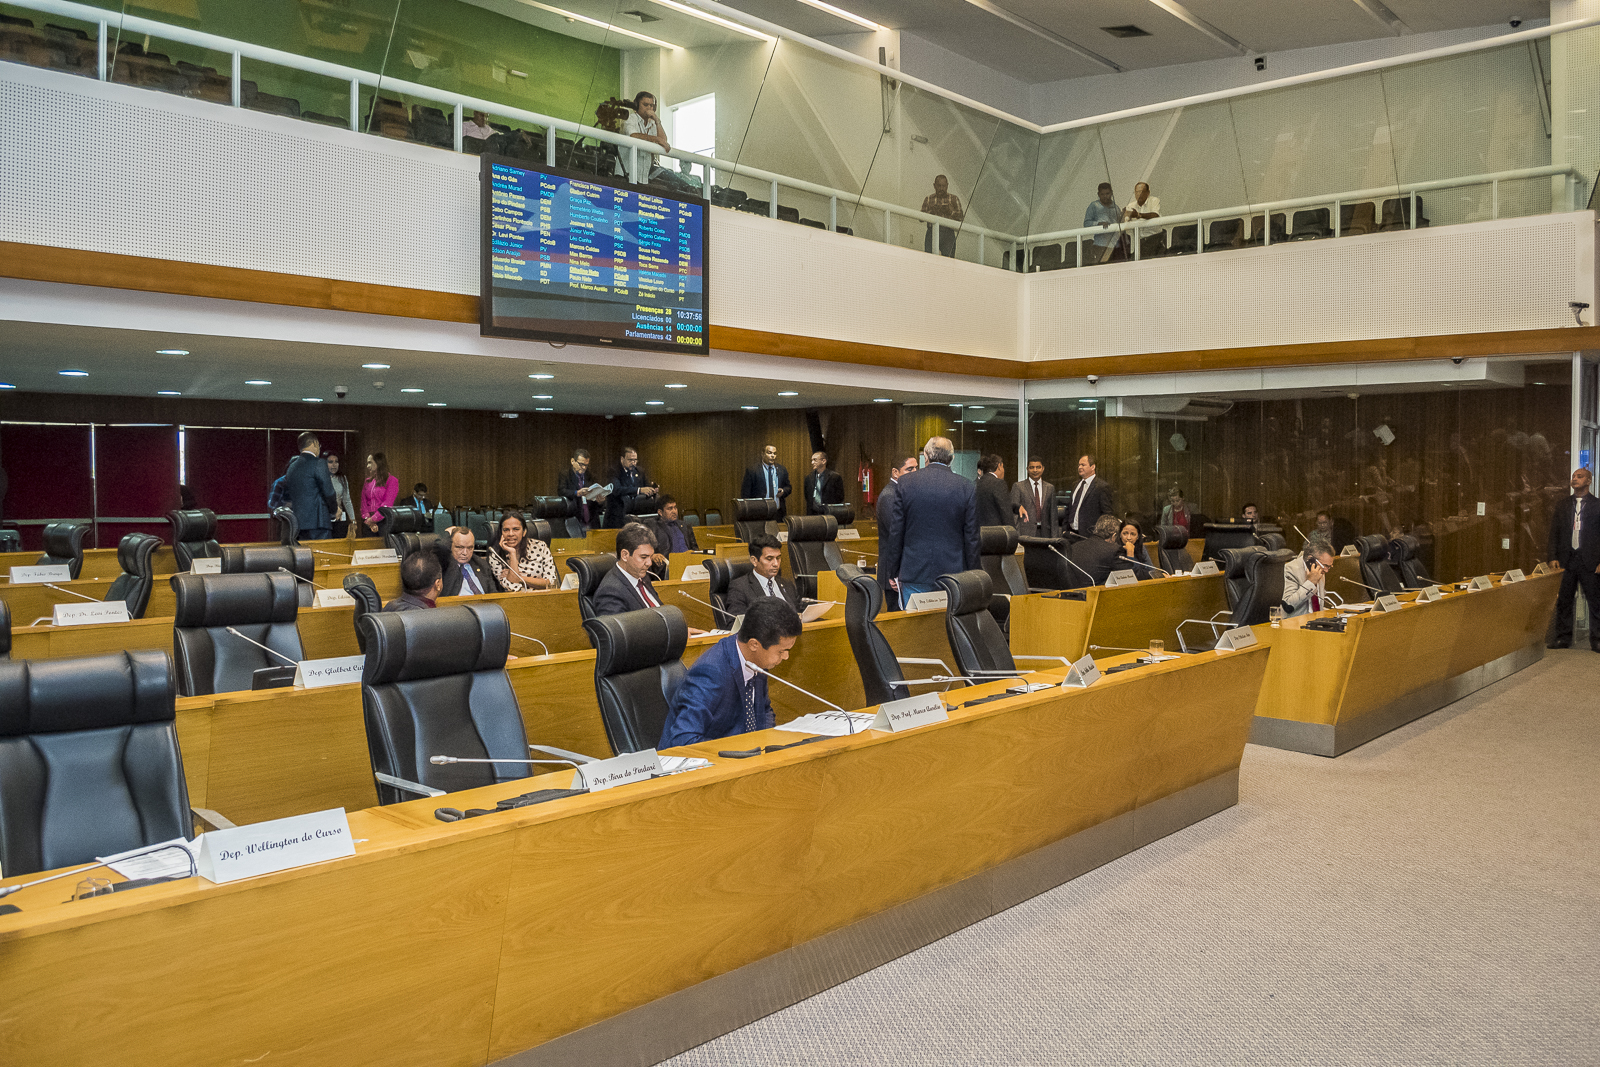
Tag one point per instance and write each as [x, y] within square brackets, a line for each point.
[136, 477]
[48, 468]
[231, 472]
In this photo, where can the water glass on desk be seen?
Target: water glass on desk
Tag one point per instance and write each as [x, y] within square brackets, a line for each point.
[1158, 648]
[1275, 615]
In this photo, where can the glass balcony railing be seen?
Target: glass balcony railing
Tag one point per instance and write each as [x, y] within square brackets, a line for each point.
[801, 131]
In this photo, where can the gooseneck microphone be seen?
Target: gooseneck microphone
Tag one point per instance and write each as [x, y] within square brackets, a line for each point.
[1368, 588]
[850, 722]
[6, 891]
[1070, 560]
[262, 647]
[1142, 563]
[72, 592]
[297, 578]
[535, 640]
[442, 760]
[325, 552]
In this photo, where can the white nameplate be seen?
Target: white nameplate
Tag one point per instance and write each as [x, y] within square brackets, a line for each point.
[1350, 550]
[1540, 568]
[1082, 674]
[50, 572]
[212, 565]
[783, 535]
[374, 555]
[1235, 639]
[1428, 595]
[332, 598]
[1121, 577]
[618, 770]
[1205, 566]
[1513, 576]
[849, 535]
[81, 613]
[316, 673]
[910, 713]
[264, 847]
[695, 573]
[928, 601]
[570, 582]
[1482, 581]
[1387, 602]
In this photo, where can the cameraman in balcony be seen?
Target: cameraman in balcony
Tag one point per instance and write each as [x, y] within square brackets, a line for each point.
[945, 204]
[643, 124]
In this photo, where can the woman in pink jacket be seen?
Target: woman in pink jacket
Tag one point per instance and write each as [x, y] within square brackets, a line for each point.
[379, 491]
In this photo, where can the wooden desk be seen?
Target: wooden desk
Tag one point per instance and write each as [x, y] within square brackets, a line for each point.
[1326, 693]
[1128, 616]
[64, 642]
[706, 900]
[33, 601]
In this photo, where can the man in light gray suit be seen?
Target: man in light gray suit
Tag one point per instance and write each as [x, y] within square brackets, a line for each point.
[1035, 502]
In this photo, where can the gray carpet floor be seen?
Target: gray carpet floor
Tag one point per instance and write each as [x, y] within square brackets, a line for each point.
[1428, 898]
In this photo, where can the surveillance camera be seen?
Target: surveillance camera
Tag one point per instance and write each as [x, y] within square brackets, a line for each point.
[1516, 20]
[1578, 308]
[1458, 360]
[1093, 378]
[1261, 62]
[341, 391]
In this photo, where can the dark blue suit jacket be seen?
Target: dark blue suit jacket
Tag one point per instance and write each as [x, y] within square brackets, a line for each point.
[933, 526]
[710, 702]
[310, 491]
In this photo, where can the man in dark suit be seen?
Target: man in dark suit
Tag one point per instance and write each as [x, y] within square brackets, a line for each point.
[466, 574]
[904, 464]
[418, 500]
[627, 587]
[627, 482]
[933, 525]
[421, 582]
[1575, 546]
[1034, 501]
[1091, 498]
[310, 490]
[572, 481]
[823, 486]
[1095, 554]
[768, 479]
[724, 694]
[764, 580]
[671, 534]
[994, 504]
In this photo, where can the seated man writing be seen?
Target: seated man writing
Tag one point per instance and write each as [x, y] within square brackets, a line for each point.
[723, 693]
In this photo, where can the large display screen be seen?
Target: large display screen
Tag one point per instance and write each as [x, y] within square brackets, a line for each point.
[589, 258]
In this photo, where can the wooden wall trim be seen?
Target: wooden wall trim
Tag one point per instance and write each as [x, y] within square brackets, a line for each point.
[78, 267]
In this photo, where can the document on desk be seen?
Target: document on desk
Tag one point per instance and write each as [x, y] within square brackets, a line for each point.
[679, 764]
[174, 862]
[829, 723]
[816, 610]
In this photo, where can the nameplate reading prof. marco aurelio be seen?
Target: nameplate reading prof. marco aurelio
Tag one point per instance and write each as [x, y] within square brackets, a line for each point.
[910, 713]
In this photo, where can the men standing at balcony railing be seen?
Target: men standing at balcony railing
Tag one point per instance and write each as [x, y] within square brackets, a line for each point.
[1143, 205]
[1104, 213]
[945, 204]
[643, 125]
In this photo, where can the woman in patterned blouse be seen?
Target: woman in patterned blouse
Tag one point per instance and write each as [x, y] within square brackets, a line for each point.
[521, 562]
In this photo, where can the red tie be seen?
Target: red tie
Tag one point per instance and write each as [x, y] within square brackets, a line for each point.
[1316, 602]
[644, 594]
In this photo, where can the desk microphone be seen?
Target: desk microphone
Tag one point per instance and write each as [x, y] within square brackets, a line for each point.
[535, 640]
[6, 891]
[1116, 648]
[1142, 563]
[1368, 588]
[718, 537]
[1299, 531]
[441, 760]
[851, 723]
[1069, 559]
[264, 648]
[325, 552]
[716, 612]
[72, 592]
[297, 578]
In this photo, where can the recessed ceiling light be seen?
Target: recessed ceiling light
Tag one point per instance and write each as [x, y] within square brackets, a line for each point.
[983, 431]
[543, 396]
[638, 413]
[74, 373]
[508, 414]
[883, 400]
[544, 409]
[749, 407]
[258, 381]
[172, 351]
[168, 392]
[436, 403]
[658, 403]
[312, 399]
[374, 366]
[6, 385]
[788, 392]
[675, 385]
[541, 377]
[955, 405]
[413, 389]
[848, 16]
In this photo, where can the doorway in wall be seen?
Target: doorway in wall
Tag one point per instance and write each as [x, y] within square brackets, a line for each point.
[692, 127]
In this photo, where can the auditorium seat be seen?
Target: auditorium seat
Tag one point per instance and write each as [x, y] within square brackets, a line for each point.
[722, 196]
[1046, 569]
[286, 106]
[1259, 229]
[136, 556]
[1397, 214]
[1356, 219]
[63, 543]
[10, 540]
[387, 118]
[1224, 234]
[591, 570]
[206, 84]
[322, 119]
[881, 677]
[638, 667]
[723, 572]
[429, 126]
[261, 559]
[362, 590]
[262, 607]
[1311, 225]
[788, 214]
[843, 514]
[713, 518]
[288, 525]
[976, 640]
[690, 519]
[752, 516]
[1376, 570]
[813, 548]
[1153, 245]
[1173, 549]
[397, 520]
[1184, 239]
[90, 750]
[1047, 257]
[1413, 575]
[132, 65]
[751, 206]
[194, 536]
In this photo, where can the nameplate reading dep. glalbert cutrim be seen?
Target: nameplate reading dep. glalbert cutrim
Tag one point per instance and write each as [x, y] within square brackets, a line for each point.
[318, 673]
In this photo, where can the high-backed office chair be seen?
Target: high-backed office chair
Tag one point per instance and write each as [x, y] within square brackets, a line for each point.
[713, 518]
[400, 521]
[1397, 214]
[1259, 229]
[638, 667]
[63, 543]
[1253, 582]
[406, 543]
[1045, 569]
[1236, 576]
[1047, 257]
[1223, 234]
[642, 505]
[1312, 224]
[843, 514]
[753, 516]
[552, 512]
[1173, 549]
[1376, 570]
[812, 548]
[1184, 240]
[976, 640]
[91, 760]
[5, 639]
[881, 677]
[365, 594]
[435, 684]
[194, 536]
[1344, 533]
[288, 526]
[10, 540]
[261, 559]
[1413, 574]
[997, 549]
[262, 607]
[591, 571]
[136, 555]
[723, 573]
[1355, 219]
[1271, 541]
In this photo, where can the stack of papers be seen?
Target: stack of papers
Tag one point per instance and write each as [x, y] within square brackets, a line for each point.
[171, 862]
[830, 723]
[679, 764]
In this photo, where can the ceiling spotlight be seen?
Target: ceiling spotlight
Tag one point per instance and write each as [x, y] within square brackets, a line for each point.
[541, 377]
[413, 389]
[436, 403]
[312, 399]
[748, 407]
[74, 373]
[168, 392]
[654, 403]
[883, 400]
[374, 366]
[955, 405]
[675, 385]
[543, 396]
[788, 392]
[508, 414]
[258, 381]
[544, 409]
[172, 351]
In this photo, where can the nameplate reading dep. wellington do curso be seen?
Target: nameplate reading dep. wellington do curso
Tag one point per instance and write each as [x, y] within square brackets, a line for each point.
[264, 847]
[46, 572]
[606, 774]
[909, 713]
[318, 673]
[82, 614]
[374, 555]
[332, 598]
[211, 565]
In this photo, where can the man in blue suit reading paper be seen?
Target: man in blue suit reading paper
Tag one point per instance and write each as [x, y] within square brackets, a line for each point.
[723, 693]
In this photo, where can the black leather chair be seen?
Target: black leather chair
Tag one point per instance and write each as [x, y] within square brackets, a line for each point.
[435, 684]
[10, 539]
[63, 543]
[1376, 570]
[752, 516]
[1046, 569]
[194, 536]
[406, 543]
[813, 548]
[591, 571]
[365, 594]
[1173, 549]
[1413, 574]
[881, 677]
[976, 640]
[1236, 575]
[1272, 542]
[401, 521]
[264, 559]
[136, 555]
[713, 518]
[262, 607]
[5, 636]
[723, 573]
[843, 514]
[997, 549]
[288, 526]
[91, 760]
[1264, 589]
[638, 667]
